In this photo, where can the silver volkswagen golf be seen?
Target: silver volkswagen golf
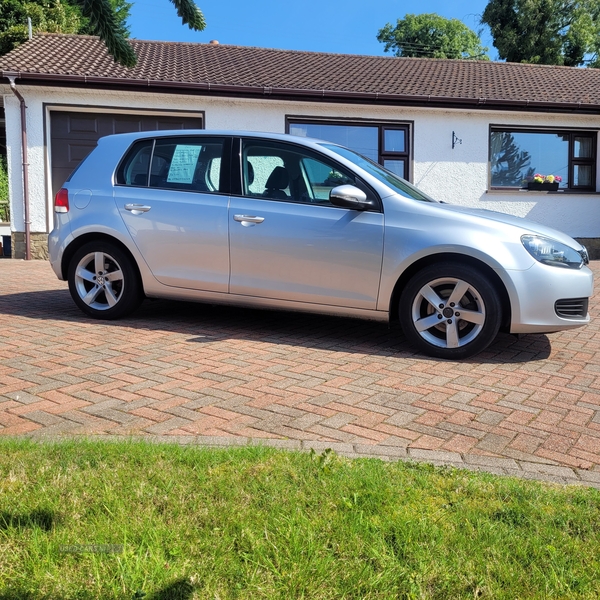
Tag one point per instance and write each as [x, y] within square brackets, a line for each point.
[276, 221]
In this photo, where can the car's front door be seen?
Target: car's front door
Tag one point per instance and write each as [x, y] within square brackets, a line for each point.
[288, 242]
[171, 194]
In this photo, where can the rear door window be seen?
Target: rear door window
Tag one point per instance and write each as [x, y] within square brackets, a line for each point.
[186, 163]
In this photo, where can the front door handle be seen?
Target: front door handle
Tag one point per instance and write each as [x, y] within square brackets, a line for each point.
[137, 209]
[247, 219]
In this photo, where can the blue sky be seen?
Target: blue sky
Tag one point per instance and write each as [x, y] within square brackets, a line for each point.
[348, 27]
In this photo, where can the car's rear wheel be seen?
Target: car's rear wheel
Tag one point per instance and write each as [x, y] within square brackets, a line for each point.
[449, 310]
[103, 281]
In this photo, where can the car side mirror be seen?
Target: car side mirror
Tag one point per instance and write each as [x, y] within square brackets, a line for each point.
[349, 196]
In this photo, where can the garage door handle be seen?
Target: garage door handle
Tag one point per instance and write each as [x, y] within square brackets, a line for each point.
[248, 219]
[137, 209]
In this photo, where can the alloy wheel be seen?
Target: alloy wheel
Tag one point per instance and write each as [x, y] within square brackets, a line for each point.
[448, 312]
[99, 280]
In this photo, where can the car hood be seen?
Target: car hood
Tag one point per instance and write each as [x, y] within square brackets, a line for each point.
[524, 224]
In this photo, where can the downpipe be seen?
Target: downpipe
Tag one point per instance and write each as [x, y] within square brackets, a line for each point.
[27, 220]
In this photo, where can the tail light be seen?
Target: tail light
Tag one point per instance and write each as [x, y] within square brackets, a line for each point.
[61, 201]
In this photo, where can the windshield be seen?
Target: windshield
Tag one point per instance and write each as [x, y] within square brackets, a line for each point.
[399, 185]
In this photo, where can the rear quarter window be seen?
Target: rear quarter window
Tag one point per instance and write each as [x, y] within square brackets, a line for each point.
[133, 170]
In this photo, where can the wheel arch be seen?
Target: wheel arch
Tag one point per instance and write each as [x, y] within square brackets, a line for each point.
[85, 238]
[462, 259]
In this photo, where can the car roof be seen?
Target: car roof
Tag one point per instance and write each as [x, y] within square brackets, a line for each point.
[307, 141]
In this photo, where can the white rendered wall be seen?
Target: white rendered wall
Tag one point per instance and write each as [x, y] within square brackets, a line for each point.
[458, 176]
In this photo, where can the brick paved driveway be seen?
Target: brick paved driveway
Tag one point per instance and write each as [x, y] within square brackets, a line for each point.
[528, 406]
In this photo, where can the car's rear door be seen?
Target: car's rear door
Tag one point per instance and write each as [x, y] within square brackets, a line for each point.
[172, 193]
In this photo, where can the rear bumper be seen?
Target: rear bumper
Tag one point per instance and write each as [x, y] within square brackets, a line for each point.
[55, 252]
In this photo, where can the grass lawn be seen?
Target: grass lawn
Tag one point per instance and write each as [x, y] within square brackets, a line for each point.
[103, 520]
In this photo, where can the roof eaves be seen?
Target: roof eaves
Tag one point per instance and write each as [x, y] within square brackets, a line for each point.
[307, 94]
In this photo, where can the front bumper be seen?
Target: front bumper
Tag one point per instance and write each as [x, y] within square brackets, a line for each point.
[536, 292]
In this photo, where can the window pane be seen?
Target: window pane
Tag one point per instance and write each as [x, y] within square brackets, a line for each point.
[395, 166]
[134, 169]
[393, 140]
[285, 172]
[186, 164]
[361, 139]
[213, 174]
[583, 147]
[183, 163]
[518, 156]
[400, 186]
[322, 178]
[582, 174]
[258, 170]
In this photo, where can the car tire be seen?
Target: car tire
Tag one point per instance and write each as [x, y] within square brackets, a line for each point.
[449, 310]
[103, 281]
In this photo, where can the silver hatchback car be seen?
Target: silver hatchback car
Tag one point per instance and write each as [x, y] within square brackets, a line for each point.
[276, 221]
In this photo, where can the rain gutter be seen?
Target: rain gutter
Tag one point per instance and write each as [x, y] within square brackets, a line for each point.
[11, 77]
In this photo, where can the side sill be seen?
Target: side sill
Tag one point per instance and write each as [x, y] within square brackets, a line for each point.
[265, 303]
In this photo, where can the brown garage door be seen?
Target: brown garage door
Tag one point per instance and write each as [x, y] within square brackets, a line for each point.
[73, 135]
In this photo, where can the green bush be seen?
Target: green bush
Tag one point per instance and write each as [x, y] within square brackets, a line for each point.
[4, 204]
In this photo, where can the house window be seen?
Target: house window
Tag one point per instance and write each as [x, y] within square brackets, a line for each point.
[516, 155]
[385, 143]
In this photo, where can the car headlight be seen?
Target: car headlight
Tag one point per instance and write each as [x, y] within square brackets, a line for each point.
[552, 252]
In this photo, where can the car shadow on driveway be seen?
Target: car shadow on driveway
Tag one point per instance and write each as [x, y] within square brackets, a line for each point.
[205, 323]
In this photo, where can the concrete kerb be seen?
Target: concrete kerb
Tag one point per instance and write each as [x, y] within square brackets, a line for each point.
[544, 472]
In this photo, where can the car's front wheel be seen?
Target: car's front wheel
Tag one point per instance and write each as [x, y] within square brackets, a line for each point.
[103, 281]
[451, 311]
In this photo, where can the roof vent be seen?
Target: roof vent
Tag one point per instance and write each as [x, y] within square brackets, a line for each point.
[214, 42]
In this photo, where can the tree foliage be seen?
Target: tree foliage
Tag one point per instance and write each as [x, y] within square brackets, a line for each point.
[51, 16]
[104, 23]
[549, 32]
[433, 36]
[104, 18]
[4, 205]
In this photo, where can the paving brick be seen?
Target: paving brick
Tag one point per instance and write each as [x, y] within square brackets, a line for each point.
[47, 419]
[165, 426]
[494, 443]
[553, 470]
[306, 421]
[320, 432]
[491, 462]
[591, 476]
[427, 442]
[435, 455]
[339, 420]
[320, 447]
[365, 433]
[389, 451]
[460, 443]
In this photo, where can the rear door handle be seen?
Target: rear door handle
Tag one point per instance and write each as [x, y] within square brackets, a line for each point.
[137, 209]
[247, 219]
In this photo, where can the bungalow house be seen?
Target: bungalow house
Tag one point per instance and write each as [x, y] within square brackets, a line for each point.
[467, 132]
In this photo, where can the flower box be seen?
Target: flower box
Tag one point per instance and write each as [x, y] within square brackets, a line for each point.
[544, 186]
